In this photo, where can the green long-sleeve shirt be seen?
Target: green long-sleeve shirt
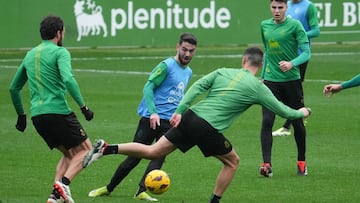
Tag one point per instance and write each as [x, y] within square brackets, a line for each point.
[282, 42]
[47, 67]
[230, 93]
[353, 82]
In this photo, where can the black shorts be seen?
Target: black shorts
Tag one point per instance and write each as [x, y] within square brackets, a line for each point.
[194, 130]
[59, 130]
[145, 135]
[290, 92]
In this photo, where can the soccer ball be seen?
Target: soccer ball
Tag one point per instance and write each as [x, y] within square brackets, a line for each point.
[157, 182]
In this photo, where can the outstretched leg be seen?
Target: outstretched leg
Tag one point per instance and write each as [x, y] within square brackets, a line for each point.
[231, 161]
[158, 150]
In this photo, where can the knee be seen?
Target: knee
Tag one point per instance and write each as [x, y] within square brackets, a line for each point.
[234, 162]
[153, 153]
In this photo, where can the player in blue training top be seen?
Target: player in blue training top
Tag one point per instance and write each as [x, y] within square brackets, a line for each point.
[306, 12]
[229, 93]
[162, 94]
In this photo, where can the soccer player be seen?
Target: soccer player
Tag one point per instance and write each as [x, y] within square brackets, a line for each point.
[282, 38]
[47, 67]
[162, 93]
[306, 12]
[229, 92]
[335, 88]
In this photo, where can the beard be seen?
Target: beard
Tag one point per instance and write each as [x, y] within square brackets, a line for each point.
[184, 60]
[60, 42]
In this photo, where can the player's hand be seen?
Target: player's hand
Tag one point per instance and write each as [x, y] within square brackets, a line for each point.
[332, 89]
[154, 121]
[21, 122]
[87, 113]
[306, 110]
[285, 65]
[175, 119]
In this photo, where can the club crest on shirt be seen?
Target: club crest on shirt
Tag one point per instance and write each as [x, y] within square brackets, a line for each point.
[273, 44]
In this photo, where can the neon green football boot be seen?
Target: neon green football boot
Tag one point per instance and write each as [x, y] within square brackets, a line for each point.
[99, 192]
[145, 197]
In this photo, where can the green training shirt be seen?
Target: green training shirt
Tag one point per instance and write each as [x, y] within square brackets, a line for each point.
[230, 93]
[47, 67]
[353, 82]
[281, 42]
[313, 21]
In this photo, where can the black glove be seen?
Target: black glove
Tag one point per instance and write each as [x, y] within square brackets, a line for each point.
[309, 110]
[21, 122]
[87, 113]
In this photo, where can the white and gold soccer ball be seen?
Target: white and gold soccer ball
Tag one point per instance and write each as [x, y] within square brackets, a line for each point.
[157, 182]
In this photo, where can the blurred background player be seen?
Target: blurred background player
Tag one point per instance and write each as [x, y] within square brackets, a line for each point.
[47, 67]
[282, 38]
[335, 88]
[162, 94]
[306, 12]
[229, 93]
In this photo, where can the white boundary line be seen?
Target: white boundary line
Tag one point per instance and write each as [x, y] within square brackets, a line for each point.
[197, 56]
[340, 32]
[161, 57]
[147, 73]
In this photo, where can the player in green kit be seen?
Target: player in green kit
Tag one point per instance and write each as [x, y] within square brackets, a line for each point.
[304, 11]
[47, 69]
[282, 38]
[229, 93]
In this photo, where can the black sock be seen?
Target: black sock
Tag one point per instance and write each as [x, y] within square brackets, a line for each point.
[108, 189]
[215, 198]
[287, 124]
[111, 149]
[140, 190]
[65, 180]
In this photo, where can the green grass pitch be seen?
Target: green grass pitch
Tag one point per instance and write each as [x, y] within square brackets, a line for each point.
[111, 81]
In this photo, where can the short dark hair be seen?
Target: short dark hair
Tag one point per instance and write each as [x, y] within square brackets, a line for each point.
[254, 56]
[283, 1]
[50, 25]
[188, 37]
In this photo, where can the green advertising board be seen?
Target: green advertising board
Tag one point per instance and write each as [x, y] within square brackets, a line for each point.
[94, 23]
[339, 20]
